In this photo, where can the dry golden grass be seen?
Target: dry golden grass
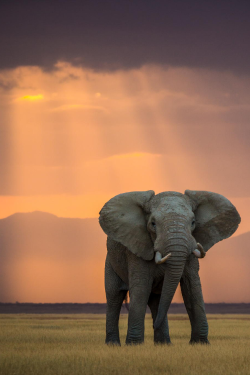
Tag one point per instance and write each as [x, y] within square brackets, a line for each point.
[74, 344]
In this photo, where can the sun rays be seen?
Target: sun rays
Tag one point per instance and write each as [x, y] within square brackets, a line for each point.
[103, 133]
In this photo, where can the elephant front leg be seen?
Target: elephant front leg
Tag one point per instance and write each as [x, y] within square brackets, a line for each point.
[115, 296]
[137, 309]
[193, 299]
[140, 286]
[161, 335]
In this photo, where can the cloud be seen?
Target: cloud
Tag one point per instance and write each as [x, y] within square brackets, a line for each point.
[68, 107]
[131, 156]
[109, 35]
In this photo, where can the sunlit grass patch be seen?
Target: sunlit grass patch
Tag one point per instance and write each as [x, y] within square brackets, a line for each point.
[74, 344]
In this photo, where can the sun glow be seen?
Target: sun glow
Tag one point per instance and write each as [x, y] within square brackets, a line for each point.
[32, 98]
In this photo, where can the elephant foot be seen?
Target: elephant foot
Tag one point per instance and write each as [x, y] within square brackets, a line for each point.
[113, 342]
[160, 337]
[165, 342]
[134, 342]
[199, 341]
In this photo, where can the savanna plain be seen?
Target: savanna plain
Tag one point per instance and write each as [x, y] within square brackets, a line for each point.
[74, 344]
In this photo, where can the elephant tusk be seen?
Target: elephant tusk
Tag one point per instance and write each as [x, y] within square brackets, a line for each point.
[199, 252]
[200, 247]
[159, 259]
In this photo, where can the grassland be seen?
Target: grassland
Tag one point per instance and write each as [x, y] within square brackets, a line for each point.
[74, 345]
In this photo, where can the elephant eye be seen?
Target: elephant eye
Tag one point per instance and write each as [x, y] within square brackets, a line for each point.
[193, 223]
[153, 224]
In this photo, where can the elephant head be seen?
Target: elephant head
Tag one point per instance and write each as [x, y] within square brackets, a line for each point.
[169, 227]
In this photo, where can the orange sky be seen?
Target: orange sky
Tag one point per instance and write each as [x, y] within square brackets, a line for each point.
[73, 137]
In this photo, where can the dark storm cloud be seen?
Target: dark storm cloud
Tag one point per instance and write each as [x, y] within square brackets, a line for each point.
[124, 34]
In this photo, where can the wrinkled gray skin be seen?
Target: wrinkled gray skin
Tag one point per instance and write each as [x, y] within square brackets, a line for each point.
[140, 223]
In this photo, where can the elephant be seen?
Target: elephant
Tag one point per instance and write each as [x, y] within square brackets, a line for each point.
[154, 243]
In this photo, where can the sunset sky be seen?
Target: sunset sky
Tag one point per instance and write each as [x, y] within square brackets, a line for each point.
[102, 97]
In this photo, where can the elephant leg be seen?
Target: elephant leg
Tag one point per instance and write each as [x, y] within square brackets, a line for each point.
[161, 335]
[193, 299]
[115, 295]
[137, 309]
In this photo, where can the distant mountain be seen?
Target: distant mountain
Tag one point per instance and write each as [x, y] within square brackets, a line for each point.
[44, 258]
[41, 233]
[100, 308]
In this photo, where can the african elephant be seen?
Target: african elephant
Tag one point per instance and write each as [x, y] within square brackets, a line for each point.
[154, 242]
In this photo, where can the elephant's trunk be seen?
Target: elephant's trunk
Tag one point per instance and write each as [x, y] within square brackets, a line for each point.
[174, 270]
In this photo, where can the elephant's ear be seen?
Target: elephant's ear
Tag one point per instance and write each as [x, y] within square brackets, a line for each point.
[216, 217]
[123, 219]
